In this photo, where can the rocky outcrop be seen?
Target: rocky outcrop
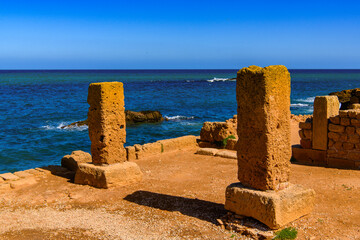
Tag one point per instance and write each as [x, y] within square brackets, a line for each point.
[349, 99]
[130, 116]
[143, 116]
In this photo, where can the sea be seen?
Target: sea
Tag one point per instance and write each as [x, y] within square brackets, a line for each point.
[36, 104]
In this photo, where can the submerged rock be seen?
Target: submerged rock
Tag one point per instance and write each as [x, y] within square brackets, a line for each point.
[131, 117]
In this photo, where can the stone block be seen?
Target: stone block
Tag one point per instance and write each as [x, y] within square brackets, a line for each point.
[355, 122]
[232, 144]
[308, 134]
[354, 106]
[334, 136]
[345, 121]
[301, 134]
[338, 145]
[324, 108]
[148, 149]
[343, 113]
[305, 125]
[207, 151]
[309, 156]
[2, 180]
[23, 174]
[174, 144]
[335, 120]
[274, 209]
[350, 130]
[264, 148]
[343, 137]
[336, 128]
[9, 177]
[217, 131]
[354, 155]
[348, 146]
[354, 138]
[226, 154]
[130, 153]
[106, 176]
[340, 163]
[207, 145]
[352, 113]
[330, 143]
[106, 119]
[72, 161]
[305, 143]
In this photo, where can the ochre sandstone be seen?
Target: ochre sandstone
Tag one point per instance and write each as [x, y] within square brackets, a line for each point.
[264, 150]
[324, 108]
[106, 118]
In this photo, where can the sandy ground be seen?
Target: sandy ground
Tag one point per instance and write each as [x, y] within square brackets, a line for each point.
[180, 197]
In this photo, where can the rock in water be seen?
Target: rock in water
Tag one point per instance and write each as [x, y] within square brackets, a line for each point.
[131, 117]
[143, 116]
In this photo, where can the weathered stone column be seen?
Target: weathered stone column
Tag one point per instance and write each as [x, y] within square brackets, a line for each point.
[324, 108]
[106, 119]
[263, 96]
[107, 133]
[264, 150]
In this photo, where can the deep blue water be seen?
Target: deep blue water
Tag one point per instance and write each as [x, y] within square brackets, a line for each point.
[35, 104]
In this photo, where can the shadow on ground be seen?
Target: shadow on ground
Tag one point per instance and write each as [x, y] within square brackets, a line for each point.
[201, 209]
[60, 172]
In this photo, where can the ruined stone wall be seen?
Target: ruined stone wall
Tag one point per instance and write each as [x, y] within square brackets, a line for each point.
[344, 139]
[305, 133]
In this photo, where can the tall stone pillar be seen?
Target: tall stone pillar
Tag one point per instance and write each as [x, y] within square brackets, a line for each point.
[324, 108]
[264, 150]
[106, 118]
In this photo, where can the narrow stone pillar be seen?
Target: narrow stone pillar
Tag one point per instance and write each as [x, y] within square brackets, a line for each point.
[324, 108]
[264, 150]
[106, 119]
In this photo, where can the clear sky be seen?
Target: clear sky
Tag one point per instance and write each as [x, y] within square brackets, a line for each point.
[172, 34]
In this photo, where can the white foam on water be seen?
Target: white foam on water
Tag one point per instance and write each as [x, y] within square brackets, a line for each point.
[299, 105]
[220, 80]
[63, 126]
[306, 100]
[178, 117]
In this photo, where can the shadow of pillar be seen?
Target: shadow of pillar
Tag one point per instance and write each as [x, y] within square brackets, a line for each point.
[201, 209]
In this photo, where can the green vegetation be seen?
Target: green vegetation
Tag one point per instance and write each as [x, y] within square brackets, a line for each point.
[162, 148]
[286, 234]
[224, 142]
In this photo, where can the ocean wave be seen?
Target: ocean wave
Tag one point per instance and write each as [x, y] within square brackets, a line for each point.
[64, 126]
[220, 79]
[306, 100]
[178, 117]
[299, 105]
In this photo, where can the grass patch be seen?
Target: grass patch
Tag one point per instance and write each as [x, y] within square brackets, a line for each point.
[224, 142]
[162, 148]
[286, 234]
[346, 187]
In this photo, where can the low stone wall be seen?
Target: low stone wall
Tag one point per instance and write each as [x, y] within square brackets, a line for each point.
[344, 139]
[341, 138]
[140, 151]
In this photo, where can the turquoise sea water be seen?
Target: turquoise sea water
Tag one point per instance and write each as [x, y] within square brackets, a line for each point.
[35, 104]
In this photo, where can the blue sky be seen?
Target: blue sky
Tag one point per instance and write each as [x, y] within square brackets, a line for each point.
[178, 34]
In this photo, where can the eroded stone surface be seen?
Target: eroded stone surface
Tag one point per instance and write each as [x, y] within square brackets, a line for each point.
[324, 108]
[106, 119]
[9, 176]
[264, 150]
[274, 209]
[72, 161]
[105, 176]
